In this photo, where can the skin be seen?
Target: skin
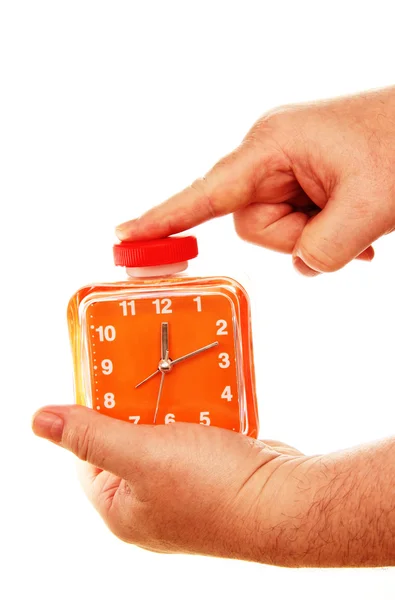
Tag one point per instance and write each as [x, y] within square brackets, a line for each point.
[315, 181]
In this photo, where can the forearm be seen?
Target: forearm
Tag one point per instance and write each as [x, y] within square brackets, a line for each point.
[342, 513]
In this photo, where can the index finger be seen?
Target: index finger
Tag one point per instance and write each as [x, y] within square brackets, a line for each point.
[227, 187]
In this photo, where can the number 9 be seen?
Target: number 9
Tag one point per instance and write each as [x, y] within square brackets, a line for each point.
[106, 366]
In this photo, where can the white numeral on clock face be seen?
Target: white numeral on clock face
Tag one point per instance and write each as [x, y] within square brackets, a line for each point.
[224, 358]
[222, 324]
[107, 333]
[132, 307]
[227, 393]
[134, 420]
[109, 401]
[106, 366]
[170, 418]
[163, 306]
[204, 418]
[198, 301]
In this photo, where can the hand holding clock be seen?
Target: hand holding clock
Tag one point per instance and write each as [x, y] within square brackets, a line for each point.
[186, 488]
[315, 181]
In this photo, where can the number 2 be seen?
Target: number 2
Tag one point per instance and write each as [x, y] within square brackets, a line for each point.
[222, 325]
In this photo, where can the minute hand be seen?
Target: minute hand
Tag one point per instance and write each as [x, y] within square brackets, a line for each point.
[194, 353]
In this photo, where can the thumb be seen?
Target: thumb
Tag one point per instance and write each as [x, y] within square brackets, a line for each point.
[342, 231]
[105, 442]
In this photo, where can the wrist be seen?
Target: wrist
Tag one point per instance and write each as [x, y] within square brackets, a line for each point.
[332, 511]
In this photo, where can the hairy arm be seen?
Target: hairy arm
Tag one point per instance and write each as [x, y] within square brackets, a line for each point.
[336, 510]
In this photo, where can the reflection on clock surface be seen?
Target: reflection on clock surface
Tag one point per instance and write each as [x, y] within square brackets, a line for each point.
[166, 359]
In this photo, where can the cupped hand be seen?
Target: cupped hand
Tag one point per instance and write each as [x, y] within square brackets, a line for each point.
[316, 181]
[188, 488]
[184, 487]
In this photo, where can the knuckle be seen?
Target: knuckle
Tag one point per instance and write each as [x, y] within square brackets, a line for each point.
[275, 134]
[200, 186]
[81, 441]
[272, 121]
[228, 160]
[320, 260]
[242, 226]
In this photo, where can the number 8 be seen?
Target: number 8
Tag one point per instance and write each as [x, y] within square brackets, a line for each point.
[109, 400]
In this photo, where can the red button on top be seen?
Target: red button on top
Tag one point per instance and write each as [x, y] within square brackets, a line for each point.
[151, 253]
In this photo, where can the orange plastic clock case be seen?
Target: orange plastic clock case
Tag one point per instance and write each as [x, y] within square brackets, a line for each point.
[120, 333]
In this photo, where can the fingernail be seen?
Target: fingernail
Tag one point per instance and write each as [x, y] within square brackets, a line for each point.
[124, 229]
[302, 268]
[48, 425]
[367, 255]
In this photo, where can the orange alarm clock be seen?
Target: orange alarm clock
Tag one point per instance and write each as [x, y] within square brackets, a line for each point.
[161, 347]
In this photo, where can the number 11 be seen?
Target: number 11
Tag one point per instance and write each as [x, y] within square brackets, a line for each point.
[125, 305]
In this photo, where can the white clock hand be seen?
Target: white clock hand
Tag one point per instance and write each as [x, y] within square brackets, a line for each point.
[147, 378]
[164, 345]
[164, 341]
[166, 364]
[194, 353]
[166, 358]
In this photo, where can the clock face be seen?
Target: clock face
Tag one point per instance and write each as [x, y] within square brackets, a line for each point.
[188, 343]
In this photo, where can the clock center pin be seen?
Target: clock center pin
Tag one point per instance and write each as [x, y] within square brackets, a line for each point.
[165, 365]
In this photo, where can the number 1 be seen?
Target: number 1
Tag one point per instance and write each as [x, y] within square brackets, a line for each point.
[198, 301]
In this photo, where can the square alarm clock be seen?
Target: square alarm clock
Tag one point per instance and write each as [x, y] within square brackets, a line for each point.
[161, 347]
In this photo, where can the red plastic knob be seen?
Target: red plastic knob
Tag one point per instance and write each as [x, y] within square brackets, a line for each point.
[151, 253]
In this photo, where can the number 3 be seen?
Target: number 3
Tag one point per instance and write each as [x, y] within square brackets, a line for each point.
[224, 358]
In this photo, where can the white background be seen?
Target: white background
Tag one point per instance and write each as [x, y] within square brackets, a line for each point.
[106, 109]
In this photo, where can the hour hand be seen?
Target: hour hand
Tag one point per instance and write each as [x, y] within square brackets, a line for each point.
[164, 364]
[164, 341]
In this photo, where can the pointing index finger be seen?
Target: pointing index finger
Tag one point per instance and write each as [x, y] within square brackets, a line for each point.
[226, 188]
